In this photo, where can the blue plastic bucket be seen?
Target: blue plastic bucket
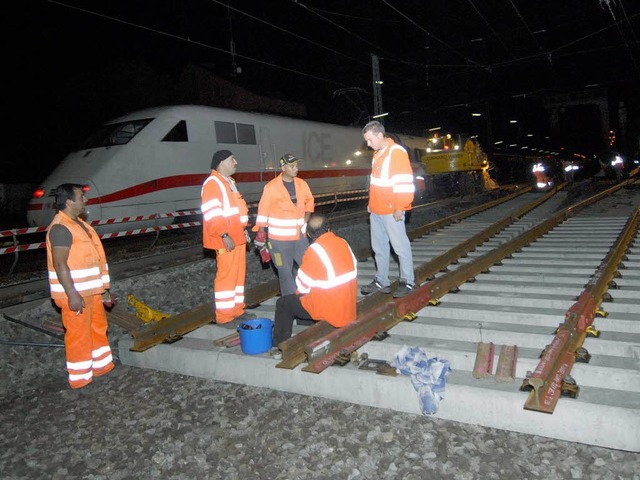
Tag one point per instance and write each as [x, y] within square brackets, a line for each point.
[256, 336]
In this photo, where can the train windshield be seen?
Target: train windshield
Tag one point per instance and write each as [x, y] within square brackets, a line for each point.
[115, 134]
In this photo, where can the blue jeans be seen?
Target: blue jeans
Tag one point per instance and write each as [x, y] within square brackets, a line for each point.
[385, 230]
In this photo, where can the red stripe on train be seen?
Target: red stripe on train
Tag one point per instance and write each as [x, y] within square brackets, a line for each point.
[197, 179]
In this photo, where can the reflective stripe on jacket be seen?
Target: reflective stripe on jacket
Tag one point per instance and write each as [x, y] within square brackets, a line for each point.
[87, 261]
[284, 219]
[223, 211]
[327, 280]
[391, 186]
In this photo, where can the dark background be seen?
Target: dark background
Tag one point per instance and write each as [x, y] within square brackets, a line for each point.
[72, 65]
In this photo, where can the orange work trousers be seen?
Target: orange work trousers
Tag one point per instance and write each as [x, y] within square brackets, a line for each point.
[85, 341]
[228, 286]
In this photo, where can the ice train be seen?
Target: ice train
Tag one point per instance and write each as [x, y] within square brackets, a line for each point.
[155, 160]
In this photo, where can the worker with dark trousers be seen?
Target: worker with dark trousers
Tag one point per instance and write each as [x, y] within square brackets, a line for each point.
[326, 284]
[283, 211]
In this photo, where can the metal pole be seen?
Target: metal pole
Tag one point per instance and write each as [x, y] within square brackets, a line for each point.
[377, 91]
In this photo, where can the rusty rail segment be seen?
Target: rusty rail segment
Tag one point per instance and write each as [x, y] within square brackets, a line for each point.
[294, 349]
[378, 312]
[559, 357]
[340, 347]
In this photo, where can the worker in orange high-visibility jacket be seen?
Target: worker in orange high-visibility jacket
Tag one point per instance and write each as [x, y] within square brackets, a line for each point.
[391, 191]
[283, 211]
[224, 218]
[327, 284]
[79, 283]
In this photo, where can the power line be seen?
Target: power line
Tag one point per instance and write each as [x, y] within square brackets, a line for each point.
[442, 42]
[196, 43]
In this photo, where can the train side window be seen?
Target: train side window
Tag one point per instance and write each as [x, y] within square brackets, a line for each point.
[246, 134]
[178, 133]
[226, 132]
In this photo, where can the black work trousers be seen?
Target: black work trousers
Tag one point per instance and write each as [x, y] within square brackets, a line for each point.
[288, 308]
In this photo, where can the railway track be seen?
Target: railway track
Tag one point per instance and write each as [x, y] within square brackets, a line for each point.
[505, 276]
[131, 257]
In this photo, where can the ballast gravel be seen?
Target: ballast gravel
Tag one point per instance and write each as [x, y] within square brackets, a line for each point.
[141, 424]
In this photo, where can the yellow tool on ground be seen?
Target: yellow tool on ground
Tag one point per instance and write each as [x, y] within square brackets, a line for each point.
[144, 312]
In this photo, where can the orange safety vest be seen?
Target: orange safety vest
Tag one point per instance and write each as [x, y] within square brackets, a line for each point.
[391, 186]
[87, 260]
[223, 211]
[276, 211]
[327, 280]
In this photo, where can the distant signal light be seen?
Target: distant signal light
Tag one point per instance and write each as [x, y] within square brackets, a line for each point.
[85, 188]
[39, 193]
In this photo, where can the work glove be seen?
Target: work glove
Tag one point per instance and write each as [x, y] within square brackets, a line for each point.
[261, 239]
[108, 300]
[265, 256]
[247, 237]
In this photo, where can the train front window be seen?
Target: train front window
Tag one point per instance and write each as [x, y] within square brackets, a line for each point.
[115, 134]
[178, 133]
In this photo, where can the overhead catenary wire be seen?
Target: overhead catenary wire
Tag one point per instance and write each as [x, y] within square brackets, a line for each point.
[289, 32]
[633, 60]
[440, 82]
[496, 34]
[197, 43]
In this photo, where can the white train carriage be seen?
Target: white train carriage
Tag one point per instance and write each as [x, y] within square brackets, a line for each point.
[154, 161]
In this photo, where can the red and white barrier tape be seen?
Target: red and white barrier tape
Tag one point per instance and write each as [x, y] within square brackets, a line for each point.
[22, 231]
[35, 246]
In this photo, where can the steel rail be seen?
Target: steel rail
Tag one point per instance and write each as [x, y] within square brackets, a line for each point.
[294, 349]
[558, 358]
[349, 338]
[174, 328]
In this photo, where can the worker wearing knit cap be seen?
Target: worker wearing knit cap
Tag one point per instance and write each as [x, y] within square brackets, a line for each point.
[224, 218]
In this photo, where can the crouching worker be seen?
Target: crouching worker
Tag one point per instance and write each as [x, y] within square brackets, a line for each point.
[79, 283]
[326, 284]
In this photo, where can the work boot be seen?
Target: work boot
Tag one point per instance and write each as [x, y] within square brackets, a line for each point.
[232, 325]
[245, 316]
[375, 286]
[403, 290]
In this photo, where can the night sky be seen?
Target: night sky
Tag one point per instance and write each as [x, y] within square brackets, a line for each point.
[70, 66]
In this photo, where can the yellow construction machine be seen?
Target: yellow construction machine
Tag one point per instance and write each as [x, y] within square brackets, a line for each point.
[456, 165]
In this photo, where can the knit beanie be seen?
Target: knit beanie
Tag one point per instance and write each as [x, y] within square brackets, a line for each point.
[218, 157]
